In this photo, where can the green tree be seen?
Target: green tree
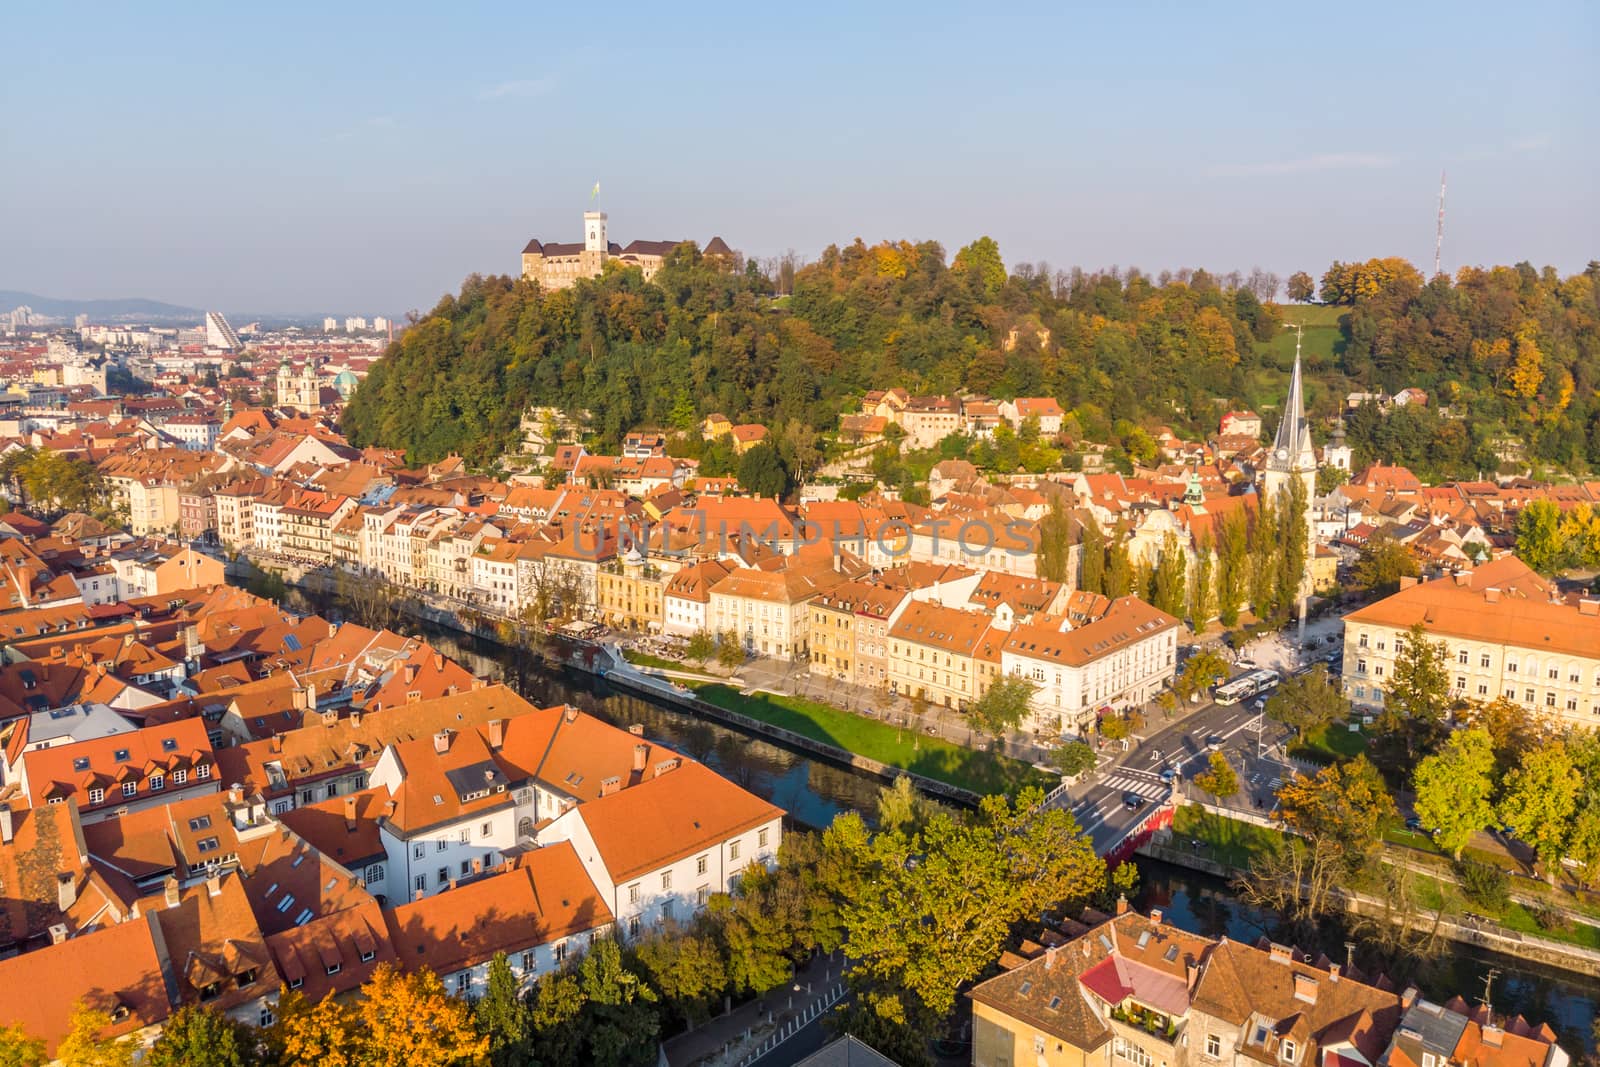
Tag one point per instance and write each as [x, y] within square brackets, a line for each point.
[1232, 556]
[901, 809]
[762, 473]
[1093, 562]
[1203, 590]
[1168, 589]
[1119, 569]
[701, 647]
[1539, 541]
[1073, 758]
[559, 1025]
[1382, 563]
[1295, 542]
[502, 1016]
[1455, 789]
[1540, 800]
[730, 650]
[755, 935]
[1418, 696]
[981, 261]
[1220, 780]
[620, 1022]
[1307, 701]
[1301, 287]
[938, 905]
[1005, 705]
[1203, 670]
[685, 966]
[1055, 542]
[197, 1036]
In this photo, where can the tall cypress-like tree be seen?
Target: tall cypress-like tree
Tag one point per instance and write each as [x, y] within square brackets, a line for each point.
[1232, 553]
[1093, 579]
[1202, 594]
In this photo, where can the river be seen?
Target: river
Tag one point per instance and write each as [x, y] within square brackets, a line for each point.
[813, 792]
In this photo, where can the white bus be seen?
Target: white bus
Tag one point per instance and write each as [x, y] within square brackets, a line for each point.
[1246, 686]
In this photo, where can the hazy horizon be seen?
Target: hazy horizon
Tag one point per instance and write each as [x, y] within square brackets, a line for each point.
[298, 160]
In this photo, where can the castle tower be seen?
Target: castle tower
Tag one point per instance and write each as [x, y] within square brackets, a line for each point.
[592, 260]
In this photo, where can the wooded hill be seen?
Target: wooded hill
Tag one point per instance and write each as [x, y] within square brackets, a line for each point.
[1512, 351]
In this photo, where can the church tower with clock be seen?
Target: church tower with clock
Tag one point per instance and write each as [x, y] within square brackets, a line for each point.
[1292, 458]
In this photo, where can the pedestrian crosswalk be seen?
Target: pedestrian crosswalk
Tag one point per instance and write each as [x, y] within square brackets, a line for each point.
[1148, 787]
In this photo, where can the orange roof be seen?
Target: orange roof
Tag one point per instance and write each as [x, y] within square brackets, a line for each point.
[668, 817]
[355, 940]
[1502, 602]
[115, 970]
[546, 897]
[109, 762]
[1129, 619]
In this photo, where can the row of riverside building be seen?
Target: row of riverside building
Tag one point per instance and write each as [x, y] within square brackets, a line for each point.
[205, 800]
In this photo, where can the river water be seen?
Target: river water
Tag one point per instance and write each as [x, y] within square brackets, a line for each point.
[813, 792]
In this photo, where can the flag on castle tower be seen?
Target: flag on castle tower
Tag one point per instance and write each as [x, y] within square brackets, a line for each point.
[595, 194]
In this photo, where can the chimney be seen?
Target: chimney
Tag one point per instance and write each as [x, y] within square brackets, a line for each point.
[640, 754]
[497, 732]
[441, 742]
[214, 885]
[170, 891]
[418, 894]
[1589, 606]
[1463, 578]
[66, 891]
[7, 828]
[1493, 1036]
[1122, 904]
[1155, 915]
[411, 673]
[610, 785]
[333, 629]
[1408, 998]
[58, 933]
[1050, 958]
[438, 661]
[570, 714]
[1281, 953]
[235, 793]
[1407, 581]
[1333, 972]
[637, 729]
[299, 698]
[1305, 988]
[355, 717]
[1491, 595]
[350, 807]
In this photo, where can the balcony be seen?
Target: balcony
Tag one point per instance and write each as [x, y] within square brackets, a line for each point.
[1138, 1023]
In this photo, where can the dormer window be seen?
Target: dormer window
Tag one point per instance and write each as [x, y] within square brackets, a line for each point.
[1289, 1050]
[1260, 1037]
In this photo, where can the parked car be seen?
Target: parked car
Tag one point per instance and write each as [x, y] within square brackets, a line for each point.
[1132, 801]
[1214, 742]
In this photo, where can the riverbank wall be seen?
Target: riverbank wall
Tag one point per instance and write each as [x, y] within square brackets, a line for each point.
[605, 662]
[1483, 934]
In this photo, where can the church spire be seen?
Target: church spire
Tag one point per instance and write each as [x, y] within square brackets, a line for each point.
[1291, 447]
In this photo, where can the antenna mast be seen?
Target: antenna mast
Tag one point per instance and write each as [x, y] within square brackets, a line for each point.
[1438, 239]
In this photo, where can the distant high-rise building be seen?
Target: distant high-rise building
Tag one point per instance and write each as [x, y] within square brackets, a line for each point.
[330, 324]
[22, 316]
[80, 321]
[380, 324]
[219, 334]
[354, 323]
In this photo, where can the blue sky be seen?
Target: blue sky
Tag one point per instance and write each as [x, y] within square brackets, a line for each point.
[364, 158]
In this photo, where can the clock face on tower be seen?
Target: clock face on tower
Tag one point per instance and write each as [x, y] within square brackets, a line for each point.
[1283, 453]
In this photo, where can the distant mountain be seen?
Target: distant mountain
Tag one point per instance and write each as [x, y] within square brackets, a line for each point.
[101, 310]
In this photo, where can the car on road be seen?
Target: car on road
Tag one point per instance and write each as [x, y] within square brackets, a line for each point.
[1214, 742]
[1258, 704]
[1169, 774]
[1132, 801]
[1414, 824]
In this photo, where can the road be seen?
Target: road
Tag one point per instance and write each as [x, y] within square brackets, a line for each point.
[1099, 802]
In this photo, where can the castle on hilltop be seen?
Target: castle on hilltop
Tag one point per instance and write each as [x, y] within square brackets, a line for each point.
[556, 266]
